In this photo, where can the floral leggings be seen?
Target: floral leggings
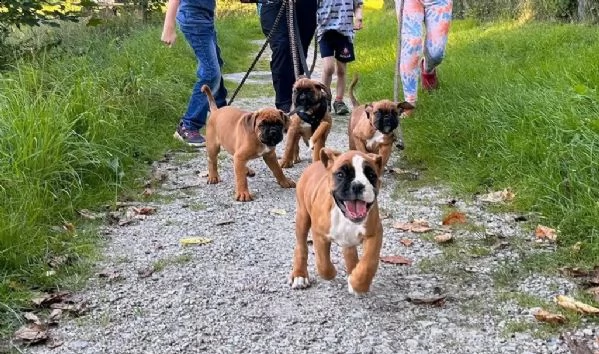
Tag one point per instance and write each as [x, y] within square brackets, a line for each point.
[436, 16]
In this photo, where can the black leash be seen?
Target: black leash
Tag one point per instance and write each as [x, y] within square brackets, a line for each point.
[268, 38]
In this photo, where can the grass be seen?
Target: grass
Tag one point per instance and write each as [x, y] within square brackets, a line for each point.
[518, 107]
[80, 124]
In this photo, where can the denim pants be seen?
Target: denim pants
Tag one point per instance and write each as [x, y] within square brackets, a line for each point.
[196, 22]
[281, 64]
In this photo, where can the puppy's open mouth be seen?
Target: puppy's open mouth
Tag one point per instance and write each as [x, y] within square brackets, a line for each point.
[355, 210]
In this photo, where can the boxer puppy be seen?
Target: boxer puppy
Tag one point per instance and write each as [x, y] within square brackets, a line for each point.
[246, 136]
[310, 120]
[372, 127]
[336, 200]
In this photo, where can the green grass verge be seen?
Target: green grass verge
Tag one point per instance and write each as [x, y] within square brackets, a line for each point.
[518, 107]
[79, 126]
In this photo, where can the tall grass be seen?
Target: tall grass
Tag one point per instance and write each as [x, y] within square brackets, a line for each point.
[78, 127]
[518, 107]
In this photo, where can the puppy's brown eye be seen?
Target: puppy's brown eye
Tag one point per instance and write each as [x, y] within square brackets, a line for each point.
[340, 174]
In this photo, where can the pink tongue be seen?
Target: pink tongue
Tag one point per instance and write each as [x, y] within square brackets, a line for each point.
[356, 208]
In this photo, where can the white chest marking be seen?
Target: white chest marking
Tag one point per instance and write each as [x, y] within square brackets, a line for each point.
[265, 150]
[344, 232]
[377, 138]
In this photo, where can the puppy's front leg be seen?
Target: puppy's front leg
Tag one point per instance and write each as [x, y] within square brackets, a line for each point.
[271, 161]
[360, 145]
[385, 152]
[322, 250]
[361, 277]
[293, 136]
[298, 279]
[242, 192]
[318, 139]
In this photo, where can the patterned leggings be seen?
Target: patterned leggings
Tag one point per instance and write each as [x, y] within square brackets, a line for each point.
[436, 16]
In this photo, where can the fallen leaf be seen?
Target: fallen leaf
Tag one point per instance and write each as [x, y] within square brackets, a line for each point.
[444, 238]
[76, 309]
[54, 316]
[406, 242]
[148, 192]
[545, 233]
[54, 343]
[396, 260]
[86, 214]
[31, 317]
[47, 299]
[32, 333]
[127, 222]
[416, 226]
[144, 210]
[69, 227]
[572, 304]
[188, 241]
[455, 217]
[574, 272]
[505, 195]
[278, 212]
[546, 316]
[436, 300]
[110, 274]
[145, 272]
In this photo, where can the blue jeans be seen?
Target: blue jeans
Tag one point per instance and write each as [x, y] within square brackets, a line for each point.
[196, 22]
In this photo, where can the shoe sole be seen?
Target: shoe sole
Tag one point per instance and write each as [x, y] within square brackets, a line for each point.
[179, 137]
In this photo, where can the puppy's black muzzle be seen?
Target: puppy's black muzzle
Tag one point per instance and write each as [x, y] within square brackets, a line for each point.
[271, 134]
[386, 122]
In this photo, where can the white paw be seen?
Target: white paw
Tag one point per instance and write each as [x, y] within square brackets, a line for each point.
[349, 287]
[311, 145]
[299, 283]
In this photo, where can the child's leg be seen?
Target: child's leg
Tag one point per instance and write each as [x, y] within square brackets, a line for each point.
[437, 19]
[411, 48]
[341, 70]
[327, 50]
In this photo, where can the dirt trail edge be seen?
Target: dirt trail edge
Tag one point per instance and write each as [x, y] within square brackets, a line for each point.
[230, 295]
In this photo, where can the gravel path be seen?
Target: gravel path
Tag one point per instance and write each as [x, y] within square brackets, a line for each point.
[231, 296]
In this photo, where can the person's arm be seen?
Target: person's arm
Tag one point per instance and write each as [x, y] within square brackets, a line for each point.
[358, 15]
[169, 30]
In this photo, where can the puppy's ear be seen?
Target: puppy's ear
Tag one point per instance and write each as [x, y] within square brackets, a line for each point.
[377, 160]
[404, 106]
[250, 120]
[328, 156]
[324, 88]
[369, 110]
[285, 119]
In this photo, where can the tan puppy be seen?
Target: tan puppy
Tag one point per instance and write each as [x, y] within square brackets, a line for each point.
[246, 136]
[373, 127]
[310, 120]
[337, 202]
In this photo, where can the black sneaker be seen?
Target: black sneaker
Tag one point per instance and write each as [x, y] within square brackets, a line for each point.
[340, 108]
[189, 136]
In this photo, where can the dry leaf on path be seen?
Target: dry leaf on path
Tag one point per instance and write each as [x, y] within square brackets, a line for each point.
[32, 333]
[278, 212]
[54, 316]
[190, 241]
[455, 217]
[546, 316]
[148, 192]
[416, 226]
[86, 214]
[444, 238]
[110, 274]
[572, 304]
[47, 299]
[505, 195]
[144, 210]
[436, 300]
[406, 242]
[31, 317]
[396, 260]
[545, 233]
[54, 343]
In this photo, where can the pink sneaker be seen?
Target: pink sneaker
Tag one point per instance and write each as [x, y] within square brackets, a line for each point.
[429, 80]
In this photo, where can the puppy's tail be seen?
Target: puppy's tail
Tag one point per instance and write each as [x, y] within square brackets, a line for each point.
[211, 101]
[354, 101]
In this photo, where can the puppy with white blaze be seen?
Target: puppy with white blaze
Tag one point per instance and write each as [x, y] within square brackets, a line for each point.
[336, 200]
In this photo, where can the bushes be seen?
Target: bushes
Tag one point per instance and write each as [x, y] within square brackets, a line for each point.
[563, 10]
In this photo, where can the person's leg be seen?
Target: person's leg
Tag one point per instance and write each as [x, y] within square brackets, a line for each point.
[437, 19]
[306, 15]
[198, 28]
[411, 48]
[344, 53]
[327, 52]
[281, 64]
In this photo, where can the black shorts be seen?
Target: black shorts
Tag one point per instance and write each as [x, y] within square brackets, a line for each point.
[335, 44]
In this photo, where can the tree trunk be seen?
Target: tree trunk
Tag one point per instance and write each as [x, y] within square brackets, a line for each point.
[587, 10]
